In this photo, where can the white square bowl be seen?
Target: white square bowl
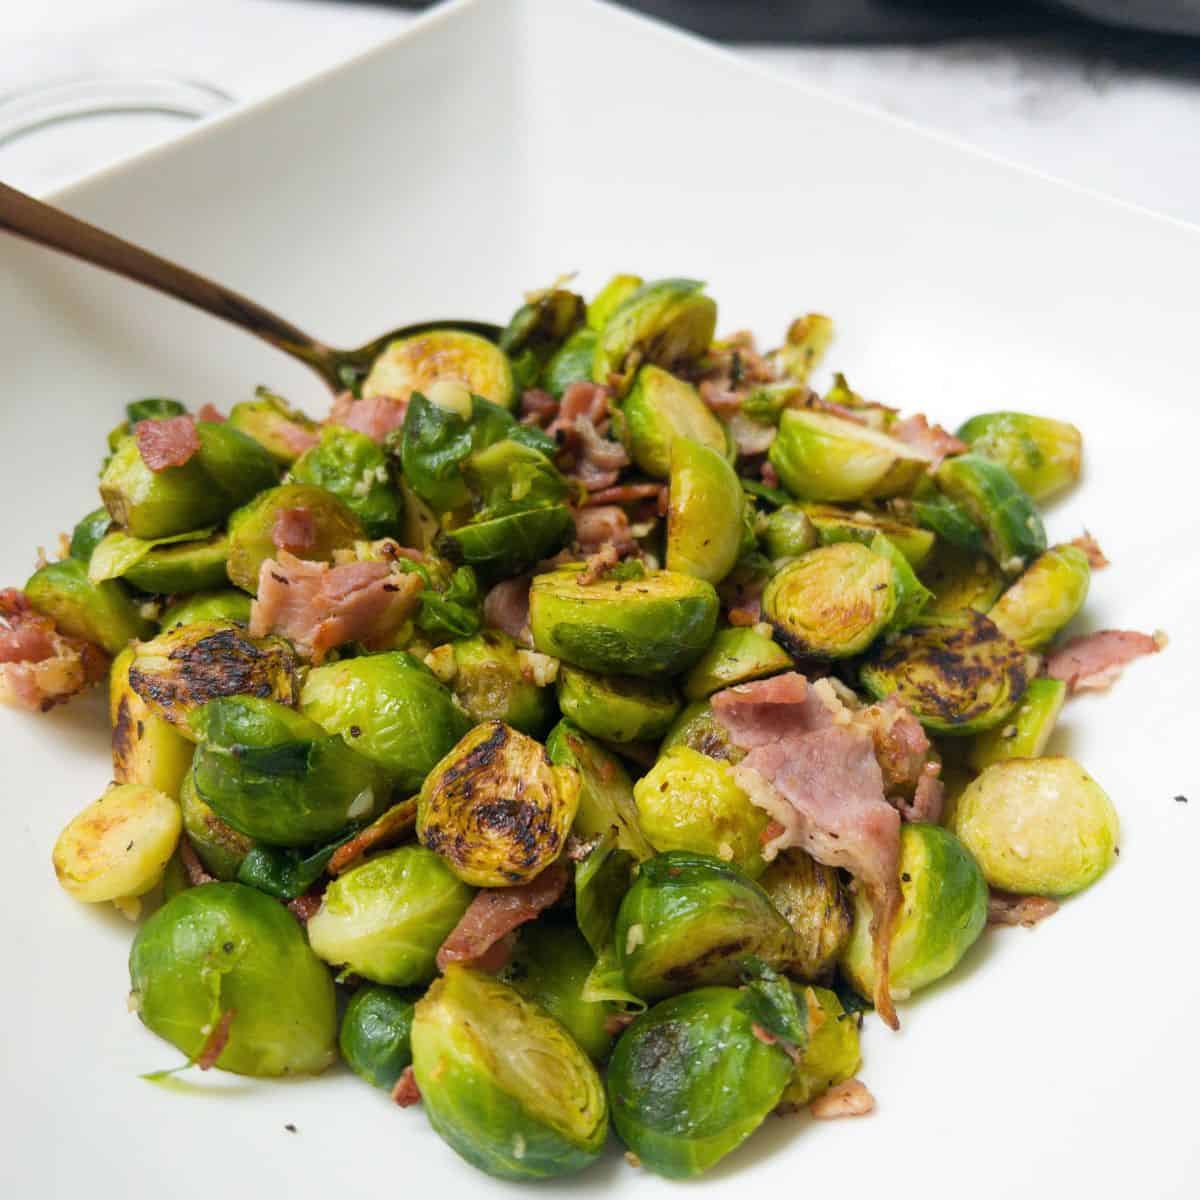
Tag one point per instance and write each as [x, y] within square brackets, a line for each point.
[490, 148]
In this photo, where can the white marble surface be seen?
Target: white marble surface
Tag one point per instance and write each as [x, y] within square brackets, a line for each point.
[1120, 127]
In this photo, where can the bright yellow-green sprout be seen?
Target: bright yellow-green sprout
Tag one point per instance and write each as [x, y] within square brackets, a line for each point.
[1044, 598]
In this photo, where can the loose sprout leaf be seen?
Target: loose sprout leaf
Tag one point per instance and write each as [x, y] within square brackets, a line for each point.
[286, 873]
[771, 1002]
[601, 881]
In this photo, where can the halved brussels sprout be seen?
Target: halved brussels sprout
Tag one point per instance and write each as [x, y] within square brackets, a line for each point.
[412, 364]
[277, 776]
[961, 579]
[570, 363]
[217, 844]
[376, 1035]
[282, 431]
[1038, 826]
[252, 530]
[491, 683]
[816, 905]
[658, 411]
[226, 953]
[386, 919]
[167, 566]
[832, 1054]
[226, 605]
[119, 846]
[948, 519]
[502, 1082]
[504, 546]
[1028, 729]
[653, 626]
[669, 323]
[88, 534]
[911, 594]
[538, 328]
[496, 808]
[704, 517]
[735, 655]
[698, 728]
[691, 919]
[955, 673]
[609, 298]
[617, 708]
[1042, 455]
[822, 457]
[102, 613]
[1045, 598]
[856, 525]
[832, 602]
[690, 1080]
[390, 709]
[1011, 525]
[354, 468]
[807, 339]
[145, 748]
[188, 665]
[788, 533]
[688, 801]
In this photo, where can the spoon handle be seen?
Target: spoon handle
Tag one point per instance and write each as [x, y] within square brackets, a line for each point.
[49, 226]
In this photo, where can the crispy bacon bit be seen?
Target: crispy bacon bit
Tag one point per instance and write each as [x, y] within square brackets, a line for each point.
[763, 1035]
[626, 493]
[506, 607]
[618, 1022]
[579, 848]
[305, 907]
[193, 868]
[1095, 556]
[215, 1043]
[537, 407]
[599, 460]
[167, 442]
[1007, 909]
[604, 525]
[25, 634]
[848, 1099]
[385, 830]
[723, 400]
[296, 439]
[1093, 661]
[768, 474]
[209, 412]
[931, 440]
[912, 782]
[406, 1093]
[598, 565]
[581, 399]
[928, 799]
[743, 601]
[376, 416]
[294, 530]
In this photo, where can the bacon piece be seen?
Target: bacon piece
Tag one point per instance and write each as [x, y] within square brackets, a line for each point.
[604, 525]
[537, 407]
[1007, 909]
[216, 1041]
[1093, 661]
[385, 830]
[912, 782]
[928, 799]
[848, 1099]
[167, 442]
[318, 606]
[599, 460]
[1096, 557]
[506, 607]
[626, 493]
[931, 440]
[376, 416]
[295, 438]
[756, 714]
[581, 399]
[26, 635]
[618, 1022]
[722, 399]
[768, 474]
[406, 1093]
[294, 530]
[209, 412]
[496, 912]
[598, 565]
[751, 437]
[193, 868]
[305, 907]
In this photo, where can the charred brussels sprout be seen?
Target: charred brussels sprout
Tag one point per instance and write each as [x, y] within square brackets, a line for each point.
[689, 920]
[226, 605]
[698, 728]
[502, 1082]
[816, 905]
[413, 364]
[689, 1081]
[961, 579]
[384, 920]
[704, 517]
[669, 323]
[376, 1035]
[496, 808]
[832, 602]
[943, 909]
[1042, 455]
[390, 709]
[283, 432]
[538, 328]
[1040, 826]
[355, 469]
[1028, 729]
[102, 613]
[617, 708]
[88, 534]
[145, 748]
[956, 674]
[491, 683]
[832, 1054]
[658, 411]
[277, 776]
[688, 801]
[570, 363]
[226, 953]
[217, 844]
[734, 656]
[1044, 599]
[653, 626]
[609, 298]
[846, 525]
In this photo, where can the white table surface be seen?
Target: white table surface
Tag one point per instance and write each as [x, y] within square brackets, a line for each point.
[1123, 129]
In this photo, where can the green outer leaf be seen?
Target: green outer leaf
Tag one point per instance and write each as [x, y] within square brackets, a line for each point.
[118, 551]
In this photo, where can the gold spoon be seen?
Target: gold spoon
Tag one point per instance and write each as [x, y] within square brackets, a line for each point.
[339, 369]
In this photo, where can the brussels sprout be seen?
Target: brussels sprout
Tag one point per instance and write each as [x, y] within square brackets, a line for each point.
[570, 363]
[277, 776]
[376, 1035]
[808, 338]
[490, 683]
[550, 965]
[832, 1054]
[833, 601]
[658, 625]
[1013, 533]
[688, 801]
[508, 545]
[845, 525]
[735, 655]
[228, 470]
[617, 708]
[961, 579]
[87, 535]
[119, 846]
[412, 364]
[950, 521]
[690, 920]
[822, 457]
[145, 748]
[956, 673]
[1044, 598]
[386, 919]
[661, 409]
[605, 791]
[224, 952]
[217, 844]
[601, 883]
[1038, 826]
[496, 808]
[1028, 729]
[816, 905]
[502, 1082]
[669, 323]
[788, 533]
[538, 328]
[251, 529]
[1042, 455]
[102, 613]
[609, 298]
[943, 909]
[183, 563]
[704, 519]
[450, 605]
[152, 408]
[390, 708]
[189, 665]
[355, 469]
[226, 605]
[698, 728]
[689, 1081]
[282, 431]
[911, 594]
